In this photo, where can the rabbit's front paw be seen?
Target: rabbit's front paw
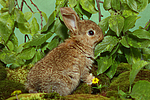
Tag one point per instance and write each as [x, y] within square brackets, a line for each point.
[89, 79]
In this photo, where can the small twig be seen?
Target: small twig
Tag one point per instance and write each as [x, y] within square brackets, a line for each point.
[22, 5]
[28, 6]
[146, 25]
[16, 4]
[26, 38]
[98, 6]
[40, 13]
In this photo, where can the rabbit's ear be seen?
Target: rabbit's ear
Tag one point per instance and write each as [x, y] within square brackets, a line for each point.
[70, 18]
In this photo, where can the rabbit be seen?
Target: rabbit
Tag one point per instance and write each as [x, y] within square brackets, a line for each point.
[62, 69]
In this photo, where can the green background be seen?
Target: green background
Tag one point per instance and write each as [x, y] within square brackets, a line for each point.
[48, 6]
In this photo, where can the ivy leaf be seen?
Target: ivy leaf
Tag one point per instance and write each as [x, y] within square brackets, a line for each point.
[136, 67]
[108, 43]
[137, 6]
[38, 40]
[103, 64]
[60, 29]
[27, 15]
[115, 4]
[28, 53]
[141, 33]
[107, 4]
[6, 26]
[124, 42]
[137, 43]
[72, 3]
[50, 21]
[141, 90]
[116, 23]
[129, 23]
[34, 26]
[104, 24]
[88, 5]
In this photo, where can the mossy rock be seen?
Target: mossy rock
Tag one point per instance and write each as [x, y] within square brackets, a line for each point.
[122, 81]
[83, 88]
[3, 72]
[86, 97]
[7, 87]
[40, 96]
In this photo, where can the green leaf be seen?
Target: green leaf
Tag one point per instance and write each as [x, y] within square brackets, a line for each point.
[107, 4]
[60, 29]
[7, 58]
[24, 27]
[11, 5]
[136, 67]
[141, 33]
[137, 43]
[132, 55]
[115, 4]
[6, 26]
[34, 26]
[3, 3]
[50, 21]
[10, 45]
[127, 13]
[103, 64]
[45, 16]
[38, 56]
[54, 43]
[88, 5]
[104, 24]
[129, 23]
[19, 16]
[137, 6]
[14, 40]
[27, 15]
[72, 3]
[80, 11]
[111, 72]
[116, 23]
[28, 53]
[141, 90]
[38, 40]
[124, 42]
[108, 43]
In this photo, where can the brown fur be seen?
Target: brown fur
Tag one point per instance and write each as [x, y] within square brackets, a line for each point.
[62, 68]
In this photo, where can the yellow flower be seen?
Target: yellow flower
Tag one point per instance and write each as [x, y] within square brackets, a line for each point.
[95, 80]
[16, 92]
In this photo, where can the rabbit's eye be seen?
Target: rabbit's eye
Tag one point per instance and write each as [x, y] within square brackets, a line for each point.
[91, 32]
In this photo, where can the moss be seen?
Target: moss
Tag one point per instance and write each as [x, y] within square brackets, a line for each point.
[7, 87]
[112, 93]
[3, 72]
[85, 97]
[53, 95]
[17, 75]
[83, 88]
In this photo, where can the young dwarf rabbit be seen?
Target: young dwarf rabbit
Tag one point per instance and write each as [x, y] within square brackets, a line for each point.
[62, 68]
